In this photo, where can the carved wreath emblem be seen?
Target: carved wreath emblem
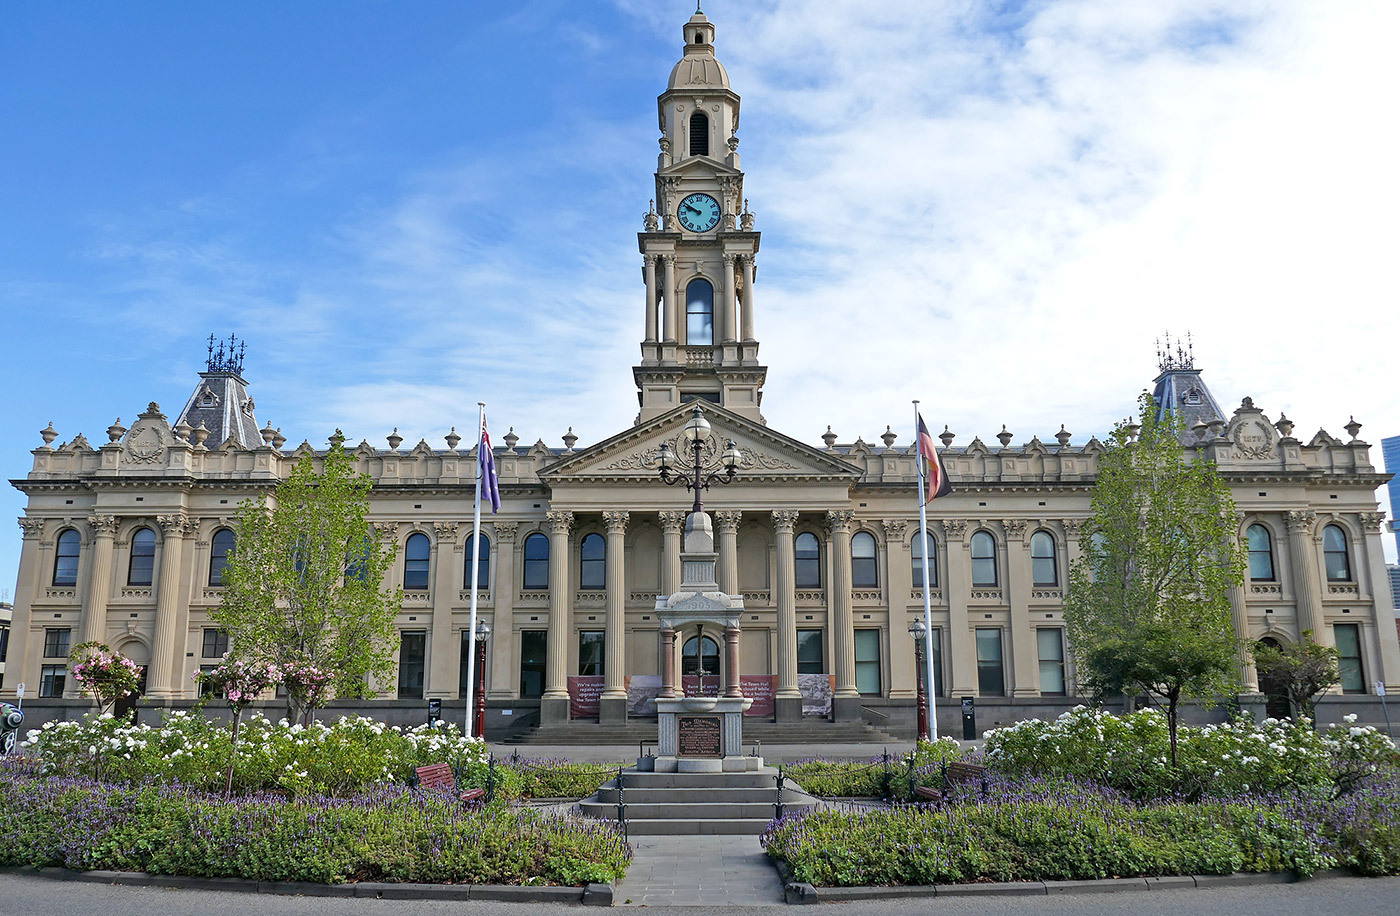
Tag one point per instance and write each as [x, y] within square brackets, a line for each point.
[1254, 439]
[145, 443]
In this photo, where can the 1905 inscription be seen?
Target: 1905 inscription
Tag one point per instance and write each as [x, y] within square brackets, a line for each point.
[699, 736]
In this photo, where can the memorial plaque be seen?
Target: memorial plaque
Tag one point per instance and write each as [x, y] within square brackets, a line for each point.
[699, 736]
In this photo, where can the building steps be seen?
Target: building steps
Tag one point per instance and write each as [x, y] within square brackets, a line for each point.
[815, 732]
[694, 804]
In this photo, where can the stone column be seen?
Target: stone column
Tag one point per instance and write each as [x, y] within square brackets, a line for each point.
[847, 699]
[1239, 619]
[554, 705]
[25, 645]
[442, 680]
[612, 708]
[668, 297]
[960, 654]
[650, 272]
[731, 662]
[1307, 592]
[168, 644]
[666, 660]
[727, 520]
[1388, 668]
[730, 326]
[1025, 653]
[747, 262]
[94, 628]
[899, 584]
[505, 683]
[672, 523]
[788, 699]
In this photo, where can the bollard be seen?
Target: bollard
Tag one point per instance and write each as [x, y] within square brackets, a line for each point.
[621, 807]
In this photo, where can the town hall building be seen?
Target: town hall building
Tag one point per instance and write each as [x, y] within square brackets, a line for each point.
[125, 541]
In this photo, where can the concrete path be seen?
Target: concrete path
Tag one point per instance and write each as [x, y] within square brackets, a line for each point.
[716, 872]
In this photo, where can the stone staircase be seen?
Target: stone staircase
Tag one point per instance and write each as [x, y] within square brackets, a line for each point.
[813, 732]
[692, 804]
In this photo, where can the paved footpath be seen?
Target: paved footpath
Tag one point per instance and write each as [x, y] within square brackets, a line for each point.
[709, 871]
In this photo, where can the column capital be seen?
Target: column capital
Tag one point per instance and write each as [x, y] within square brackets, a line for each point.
[673, 521]
[616, 520]
[505, 531]
[104, 526]
[1015, 529]
[1372, 521]
[385, 530]
[1300, 521]
[729, 258]
[1072, 527]
[560, 520]
[785, 519]
[727, 520]
[177, 525]
[894, 530]
[650, 257]
[838, 521]
[33, 527]
[445, 531]
[955, 527]
[668, 259]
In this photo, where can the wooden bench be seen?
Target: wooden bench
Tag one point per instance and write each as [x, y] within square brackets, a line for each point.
[953, 772]
[438, 777]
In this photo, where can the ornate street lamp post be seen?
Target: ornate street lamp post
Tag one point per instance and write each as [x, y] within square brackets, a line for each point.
[483, 632]
[697, 431]
[917, 630]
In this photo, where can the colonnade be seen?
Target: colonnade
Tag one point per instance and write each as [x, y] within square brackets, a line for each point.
[733, 314]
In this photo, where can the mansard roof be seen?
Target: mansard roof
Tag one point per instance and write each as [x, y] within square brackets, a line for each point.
[221, 403]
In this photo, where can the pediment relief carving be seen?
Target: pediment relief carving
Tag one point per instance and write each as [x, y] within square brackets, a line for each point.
[146, 441]
[1253, 438]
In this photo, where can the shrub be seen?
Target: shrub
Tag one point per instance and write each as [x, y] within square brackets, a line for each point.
[549, 777]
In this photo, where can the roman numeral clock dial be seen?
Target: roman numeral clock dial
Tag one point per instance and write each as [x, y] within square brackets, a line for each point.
[698, 213]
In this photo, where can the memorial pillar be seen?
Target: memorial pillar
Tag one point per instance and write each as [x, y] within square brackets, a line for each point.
[731, 662]
[667, 660]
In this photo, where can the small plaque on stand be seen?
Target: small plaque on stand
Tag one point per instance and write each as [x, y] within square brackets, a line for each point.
[699, 736]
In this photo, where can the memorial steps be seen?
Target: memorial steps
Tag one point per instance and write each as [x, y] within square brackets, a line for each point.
[813, 732]
[692, 804]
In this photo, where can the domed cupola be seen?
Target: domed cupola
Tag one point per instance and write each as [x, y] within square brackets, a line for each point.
[699, 69]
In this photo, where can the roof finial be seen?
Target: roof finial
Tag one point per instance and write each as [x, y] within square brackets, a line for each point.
[698, 10]
[230, 361]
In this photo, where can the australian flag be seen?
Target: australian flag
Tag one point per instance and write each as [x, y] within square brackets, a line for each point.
[486, 467]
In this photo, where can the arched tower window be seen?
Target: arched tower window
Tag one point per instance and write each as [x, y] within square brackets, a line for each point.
[141, 569]
[219, 549]
[1334, 551]
[65, 561]
[984, 559]
[1261, 553]
[1044, 570]
[592, 562]
[700, 313]
[699, 134]
[536, 561]
[808, 572]
[863, 574]
[917, 556]
[415, 562]
[483, 564]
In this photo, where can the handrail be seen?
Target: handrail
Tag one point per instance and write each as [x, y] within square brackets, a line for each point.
[876, 712]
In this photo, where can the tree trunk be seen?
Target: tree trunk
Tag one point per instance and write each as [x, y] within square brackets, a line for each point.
[233, 753]
[1172, 698]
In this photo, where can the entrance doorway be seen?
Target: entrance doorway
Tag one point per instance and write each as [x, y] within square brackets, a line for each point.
[1276, 704]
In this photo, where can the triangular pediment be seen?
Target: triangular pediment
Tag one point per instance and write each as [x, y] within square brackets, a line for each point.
[632, 454]
[698, 167]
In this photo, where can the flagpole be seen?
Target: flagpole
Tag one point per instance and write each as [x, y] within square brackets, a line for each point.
[928, 598]
[476, 569]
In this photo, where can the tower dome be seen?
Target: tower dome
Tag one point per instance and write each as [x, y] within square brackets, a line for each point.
[699, 69]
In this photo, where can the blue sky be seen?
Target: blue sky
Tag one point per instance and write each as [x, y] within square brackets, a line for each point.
[407, 208]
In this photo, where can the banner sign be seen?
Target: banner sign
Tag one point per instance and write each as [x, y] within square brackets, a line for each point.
[816, 690]
[759, 688]
[642, 690]
[584, 692]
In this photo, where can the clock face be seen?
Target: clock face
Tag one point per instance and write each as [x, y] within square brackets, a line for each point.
[698, 213]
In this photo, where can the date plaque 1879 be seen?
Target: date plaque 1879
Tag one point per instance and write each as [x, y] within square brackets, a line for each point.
[698, 736]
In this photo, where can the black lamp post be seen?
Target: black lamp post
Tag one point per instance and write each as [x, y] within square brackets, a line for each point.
[697, 430]
[918, 631]
[482, 633]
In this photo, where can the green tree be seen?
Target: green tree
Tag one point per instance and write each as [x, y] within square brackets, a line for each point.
[303, 586]
[1303, 670]
[1148, 608]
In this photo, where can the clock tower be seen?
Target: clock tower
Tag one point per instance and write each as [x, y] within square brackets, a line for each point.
[698, 246]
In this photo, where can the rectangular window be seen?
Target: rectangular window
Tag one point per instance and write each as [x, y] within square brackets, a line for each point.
[809, 652]
[1348, 637]
[990, 681]
[51, 680]
[868, 662]
[215, 643]
[4, 643]
[590, 652]
[534, 650]
[412, 649]
[468, 646]
[1051, 645]
[56, 642]
[204, 689]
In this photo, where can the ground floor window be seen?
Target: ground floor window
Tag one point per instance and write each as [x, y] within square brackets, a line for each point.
[52, 679]
[468, 647]
[810, 654]
[215, 643]
[534, 651]
[591, 644]
[1348, 637]
[868, 662]
[56, 641]
[1050, 644]
[412, 651]
[991, 681]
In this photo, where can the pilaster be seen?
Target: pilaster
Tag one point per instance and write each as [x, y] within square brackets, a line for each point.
[1025, 654]
[504, 684]
[22, 664]
[961, 653]
[442, 680]
[788, 697]
[94, 627]
[1302, 554]
[899, 582]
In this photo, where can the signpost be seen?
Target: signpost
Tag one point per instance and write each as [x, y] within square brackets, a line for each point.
[1380, 692]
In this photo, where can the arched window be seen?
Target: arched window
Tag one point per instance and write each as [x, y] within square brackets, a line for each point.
[592, 562]
[357, 563]
[483, 564]
[699, 134]
[65, 561]
[700, 655]
[1334, 552]
[917, 555]
[1044, 570]
[863, 574]
[415, 562]
[984, 559]
[219, 549]
[536, 561]
[809, 561]
[1261, 553]
[141, 569]
[699, 313]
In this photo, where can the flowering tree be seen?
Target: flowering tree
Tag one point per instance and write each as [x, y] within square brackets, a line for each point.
[1303, 670]
[103, 673]
[240, 683]
[307, 687]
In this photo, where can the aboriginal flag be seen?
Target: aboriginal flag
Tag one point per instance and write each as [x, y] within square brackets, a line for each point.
[931, 466]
